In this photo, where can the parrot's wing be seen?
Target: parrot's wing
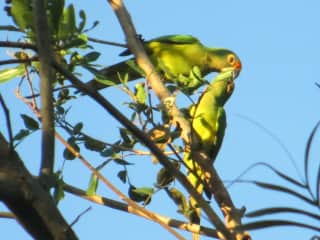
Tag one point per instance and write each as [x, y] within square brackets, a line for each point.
[176, 39]
[168, 39]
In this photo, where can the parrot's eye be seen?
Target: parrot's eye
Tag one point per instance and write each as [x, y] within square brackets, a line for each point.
[231, 59]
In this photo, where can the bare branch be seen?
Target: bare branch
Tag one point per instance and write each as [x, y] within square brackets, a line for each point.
[8, 122]
[144, 139]
[163, 94]
[115, 190]
[79, 216]
[18, 45]
[107, 42]
[127, 208]
[17, 61]
[28, 201]
[7, 215]
[46, 80]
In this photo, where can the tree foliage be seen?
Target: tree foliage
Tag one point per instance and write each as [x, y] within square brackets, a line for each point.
[151, 130]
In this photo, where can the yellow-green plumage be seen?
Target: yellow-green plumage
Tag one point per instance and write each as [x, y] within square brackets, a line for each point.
[175, 56]
[208, 127]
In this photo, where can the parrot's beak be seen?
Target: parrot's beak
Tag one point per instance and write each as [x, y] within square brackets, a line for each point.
[237, 68]
[238, 65]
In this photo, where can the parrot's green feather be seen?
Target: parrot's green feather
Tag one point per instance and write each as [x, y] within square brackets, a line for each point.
[176, 57]
[208, 120]
[177, 39]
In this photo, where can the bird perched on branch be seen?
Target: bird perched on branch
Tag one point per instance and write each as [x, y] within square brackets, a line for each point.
[208, 121]
[181, 59]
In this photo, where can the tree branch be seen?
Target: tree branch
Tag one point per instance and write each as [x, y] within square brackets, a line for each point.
[17, 61]
[29, 202]
[107, 42]
[145, 139]
[127, 208]
[46, 80]
[8, 122]
[133, 204]
[7, 215]
[18, 45]
[163, 94]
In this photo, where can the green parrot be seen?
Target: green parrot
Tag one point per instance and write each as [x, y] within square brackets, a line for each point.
[208, 121]
[181, 59]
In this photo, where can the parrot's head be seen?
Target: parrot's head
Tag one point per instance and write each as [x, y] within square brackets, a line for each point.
[222, 60]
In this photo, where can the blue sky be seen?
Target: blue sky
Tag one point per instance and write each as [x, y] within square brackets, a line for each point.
[278, 43]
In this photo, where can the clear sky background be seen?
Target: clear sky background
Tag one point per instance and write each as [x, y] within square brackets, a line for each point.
[278, 43]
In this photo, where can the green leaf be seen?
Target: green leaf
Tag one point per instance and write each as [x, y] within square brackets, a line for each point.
[21, 11]
[58, 193]
[59, 110]
[94, 145]
[77, 128]
[92, 56]
[29, 122]
[140, 194]
[275, 223]
[95, 23]
[105, 81]
[107, 152]
[124, 133]
[122, 175]
[276, 210]
[121, 162]
[82, 15]
[93, 185]
[164, 178]
[123, 78]
[180, 200]
[67, 26]
[21, 134]
[66, 153]
[144, 190]
[100, 77]
[77, 41]
[56, 12]
[11, 73]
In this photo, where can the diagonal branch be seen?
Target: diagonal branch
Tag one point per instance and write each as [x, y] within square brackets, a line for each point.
[127, 208]
[145, 139]
[28, 201]
[136, 206]
[163, 94]
[144, 63]
[8, 122]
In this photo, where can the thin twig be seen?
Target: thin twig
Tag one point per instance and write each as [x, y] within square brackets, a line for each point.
[127, 208]
[18, 45]
[7, 215]
[8, 122]
[139, 209]
[34, 102]
[144, 139]
[79, 216]
[17, 61]
[107, 42]
[165, 97]
[114, 189]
